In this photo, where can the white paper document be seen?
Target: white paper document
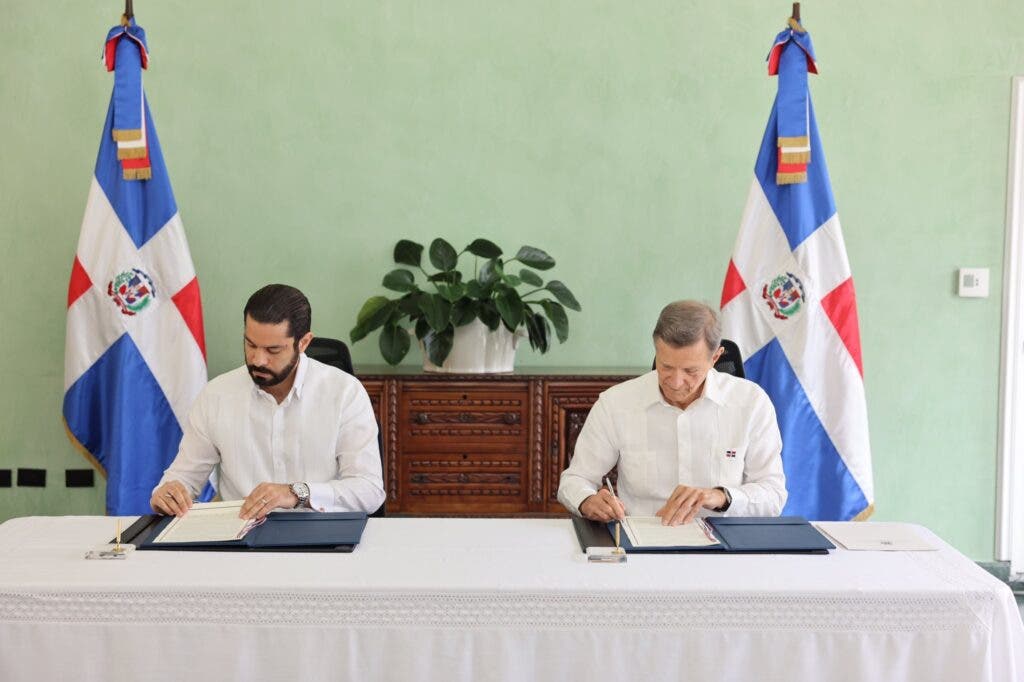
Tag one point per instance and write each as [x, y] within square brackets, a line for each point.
[647, 531]
[208, 522]
[876, 536]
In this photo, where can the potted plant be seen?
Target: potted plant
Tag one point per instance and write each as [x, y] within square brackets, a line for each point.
[457, 306]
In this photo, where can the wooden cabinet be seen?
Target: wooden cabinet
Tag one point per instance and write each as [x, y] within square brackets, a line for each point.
[489, 445]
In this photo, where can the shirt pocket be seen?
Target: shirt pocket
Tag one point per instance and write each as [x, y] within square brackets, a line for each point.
[731, 462]
[635, 470]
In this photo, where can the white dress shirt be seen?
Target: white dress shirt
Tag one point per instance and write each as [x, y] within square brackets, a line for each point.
[323, 434]
[727, 437]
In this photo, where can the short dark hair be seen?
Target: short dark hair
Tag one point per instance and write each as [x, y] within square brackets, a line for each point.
[684, 323]
[276, 303]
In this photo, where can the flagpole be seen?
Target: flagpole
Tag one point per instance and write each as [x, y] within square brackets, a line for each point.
[795, 14]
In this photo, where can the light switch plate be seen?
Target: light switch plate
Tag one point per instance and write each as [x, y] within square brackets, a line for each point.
[973, 283]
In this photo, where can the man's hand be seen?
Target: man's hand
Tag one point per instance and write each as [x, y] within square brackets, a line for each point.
[171, 498]
[603, 506]
[685, 502]
[265, 498]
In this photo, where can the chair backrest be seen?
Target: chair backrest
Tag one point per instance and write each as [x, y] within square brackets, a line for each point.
[335, 353]
[731, 361]
[331, 352]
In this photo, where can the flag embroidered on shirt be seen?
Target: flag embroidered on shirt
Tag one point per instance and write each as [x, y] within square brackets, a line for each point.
[730, 453]
[135, 356]
[788, 302]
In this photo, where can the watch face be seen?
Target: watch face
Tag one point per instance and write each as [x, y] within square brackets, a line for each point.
[301, 491]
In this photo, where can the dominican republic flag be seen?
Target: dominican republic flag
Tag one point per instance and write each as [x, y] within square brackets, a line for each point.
[135, 356]
[788, 302]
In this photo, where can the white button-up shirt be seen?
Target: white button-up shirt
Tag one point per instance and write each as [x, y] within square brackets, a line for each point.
[727, 437]
[323, 434]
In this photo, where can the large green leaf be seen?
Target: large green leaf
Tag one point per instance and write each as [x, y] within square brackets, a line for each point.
[451, 292]
[394, 343]
[489, 315]
[436, 310]
[511, 280]
[491, 271]
[562, 293]
[443, 255]
[409, 304]
[422, 328]
[484, 248]
[408, 253]
[560, 321]
[464, 311]
[373, 314]
[535, 258]
[510, 307]
[531, 278]
[476, 290]
[399, 280]
[537, 329]
[439, 345]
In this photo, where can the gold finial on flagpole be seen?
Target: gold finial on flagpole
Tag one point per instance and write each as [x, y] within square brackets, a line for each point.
[794, 19]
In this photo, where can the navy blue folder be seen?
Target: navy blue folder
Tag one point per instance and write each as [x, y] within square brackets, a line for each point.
[281, 532]
[736, 534]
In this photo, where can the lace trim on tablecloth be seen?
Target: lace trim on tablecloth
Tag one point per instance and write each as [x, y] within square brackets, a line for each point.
[640, 610]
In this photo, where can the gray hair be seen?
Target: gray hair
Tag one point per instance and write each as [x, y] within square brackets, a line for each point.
[684, 323]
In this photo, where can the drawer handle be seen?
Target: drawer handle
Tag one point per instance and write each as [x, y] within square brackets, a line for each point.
[421, 418]
[511, 417]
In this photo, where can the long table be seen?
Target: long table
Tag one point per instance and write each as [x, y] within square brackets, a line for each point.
[492, 599]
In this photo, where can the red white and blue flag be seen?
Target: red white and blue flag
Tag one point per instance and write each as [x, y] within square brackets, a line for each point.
[135, 356]
[788, 302]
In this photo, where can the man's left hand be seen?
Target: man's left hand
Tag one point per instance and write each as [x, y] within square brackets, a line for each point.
[265, 498]
[685, 502]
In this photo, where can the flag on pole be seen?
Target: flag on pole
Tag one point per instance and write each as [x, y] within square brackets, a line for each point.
[135, 356]
[788, 302]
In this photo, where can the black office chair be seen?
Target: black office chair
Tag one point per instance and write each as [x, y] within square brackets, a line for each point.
[331, 352]
[335, 353]
[731, 361]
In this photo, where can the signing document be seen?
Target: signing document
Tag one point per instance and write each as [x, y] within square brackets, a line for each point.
[648, 531]
[208, 522]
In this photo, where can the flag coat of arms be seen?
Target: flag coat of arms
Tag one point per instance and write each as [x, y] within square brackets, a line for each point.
[788, 302]
[135, 356]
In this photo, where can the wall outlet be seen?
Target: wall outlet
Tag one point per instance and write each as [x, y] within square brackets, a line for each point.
[973, 283]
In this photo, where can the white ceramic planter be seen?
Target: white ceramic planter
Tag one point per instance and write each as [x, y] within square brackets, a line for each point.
[477, 350]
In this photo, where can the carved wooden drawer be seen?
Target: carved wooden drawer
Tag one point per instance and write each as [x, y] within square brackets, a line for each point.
[466, 480]
[484, 415]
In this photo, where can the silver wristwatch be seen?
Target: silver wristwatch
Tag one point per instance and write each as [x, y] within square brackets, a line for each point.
[301, 491]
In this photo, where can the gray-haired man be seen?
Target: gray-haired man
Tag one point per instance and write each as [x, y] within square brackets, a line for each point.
[687, 440]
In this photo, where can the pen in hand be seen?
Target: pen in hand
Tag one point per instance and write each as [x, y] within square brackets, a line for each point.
[608, 483]
[618, 525]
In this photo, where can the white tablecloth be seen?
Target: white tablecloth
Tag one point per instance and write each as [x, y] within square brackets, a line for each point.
[492, 599]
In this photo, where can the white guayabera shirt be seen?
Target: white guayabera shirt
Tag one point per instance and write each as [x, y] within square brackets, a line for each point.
[727, 437]
[323, 434]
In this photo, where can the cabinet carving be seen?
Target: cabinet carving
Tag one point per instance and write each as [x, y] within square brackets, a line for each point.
[487, 445]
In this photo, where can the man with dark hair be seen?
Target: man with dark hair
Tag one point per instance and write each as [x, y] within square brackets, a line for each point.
[283, 431]
[687, 440]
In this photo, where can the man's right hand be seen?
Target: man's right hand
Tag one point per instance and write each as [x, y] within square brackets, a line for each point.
[171, 498]
[603, 506]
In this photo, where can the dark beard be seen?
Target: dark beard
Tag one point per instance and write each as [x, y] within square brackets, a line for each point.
[275, 378]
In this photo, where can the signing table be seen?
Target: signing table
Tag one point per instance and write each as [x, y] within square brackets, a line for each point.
[492, 599]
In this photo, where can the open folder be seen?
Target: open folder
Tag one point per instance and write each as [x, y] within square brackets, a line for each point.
[280, 532]
[735, 535]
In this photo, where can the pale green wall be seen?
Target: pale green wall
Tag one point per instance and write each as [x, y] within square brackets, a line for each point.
[303, 139]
